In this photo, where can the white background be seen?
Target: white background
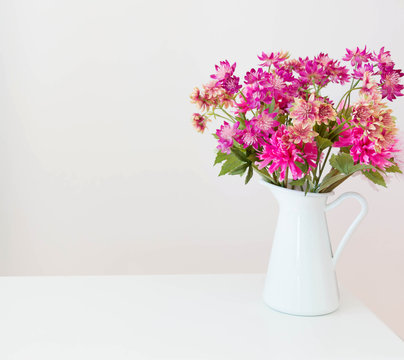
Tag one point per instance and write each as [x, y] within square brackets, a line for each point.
[102, 172]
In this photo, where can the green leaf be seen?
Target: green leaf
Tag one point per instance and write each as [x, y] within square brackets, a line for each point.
[302, 166]
[375, 177]
[240, 154]
[323, 143]
[298, 182]
[358, 167]
[239, 170]
[342, 162]
[393, 169]
[308, 187]
[249, 174]
[230, 164]
[271, 107]
[220, 157]
[331, 181]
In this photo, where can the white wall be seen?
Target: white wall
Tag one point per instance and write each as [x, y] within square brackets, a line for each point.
[102, 172]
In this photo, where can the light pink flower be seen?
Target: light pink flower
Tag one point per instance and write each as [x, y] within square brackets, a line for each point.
[370, 88]
[325, 113]
[383, 58]
[199, 122]
[302, 132]
[304, 111]
[265, 121]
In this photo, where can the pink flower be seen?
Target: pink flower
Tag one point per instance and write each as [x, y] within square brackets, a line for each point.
[364, 151]
[249, 136]
[199, 122]
[212, 95]
[281, 153]
[361, 113]
[357, 56]
[231, 84]
[294, 65]
[325, 113]
[223, 70]
[313, 72]
[253, 76]
[265, 122]
[383, 59]
[226, 135]
[198, 99]
[302, 132]
[370, 88]
[333, 71]
[273, 58]
[391, 87]
[304, 111]
[360, 71]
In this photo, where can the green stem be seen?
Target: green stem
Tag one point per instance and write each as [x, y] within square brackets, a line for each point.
[339, 127]
[323, 165]
[230, 116]
[263, 174]
[286, 177]
[215, 114]
[347, 93]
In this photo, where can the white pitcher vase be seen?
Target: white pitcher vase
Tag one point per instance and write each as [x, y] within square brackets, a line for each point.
[301, 276]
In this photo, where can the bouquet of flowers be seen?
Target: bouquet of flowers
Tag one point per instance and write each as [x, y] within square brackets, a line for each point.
[280, 123]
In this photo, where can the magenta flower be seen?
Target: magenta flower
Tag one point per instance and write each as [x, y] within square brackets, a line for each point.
[391, 87]
[281, 153]
[313, 72]
[231, 84]
[383, 59]
[223, 70]
[226, 135]
[265, 122]
[273, 58]
[249, 136]
[357, 57]
[252, 76]
[364, 151]
[360, 71]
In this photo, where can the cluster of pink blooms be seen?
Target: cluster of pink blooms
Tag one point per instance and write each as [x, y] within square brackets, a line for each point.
[372, 138]
[278, 112]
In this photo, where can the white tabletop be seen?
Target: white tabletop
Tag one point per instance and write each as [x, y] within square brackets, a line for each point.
[176, 317]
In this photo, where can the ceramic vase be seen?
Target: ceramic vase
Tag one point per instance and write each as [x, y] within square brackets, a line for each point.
[301, 277]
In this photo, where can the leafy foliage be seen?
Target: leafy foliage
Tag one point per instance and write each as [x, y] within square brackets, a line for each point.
[344, 163]
[375, 177]
[235, 163]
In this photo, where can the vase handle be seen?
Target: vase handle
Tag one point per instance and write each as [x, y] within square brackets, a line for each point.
[355, 223]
